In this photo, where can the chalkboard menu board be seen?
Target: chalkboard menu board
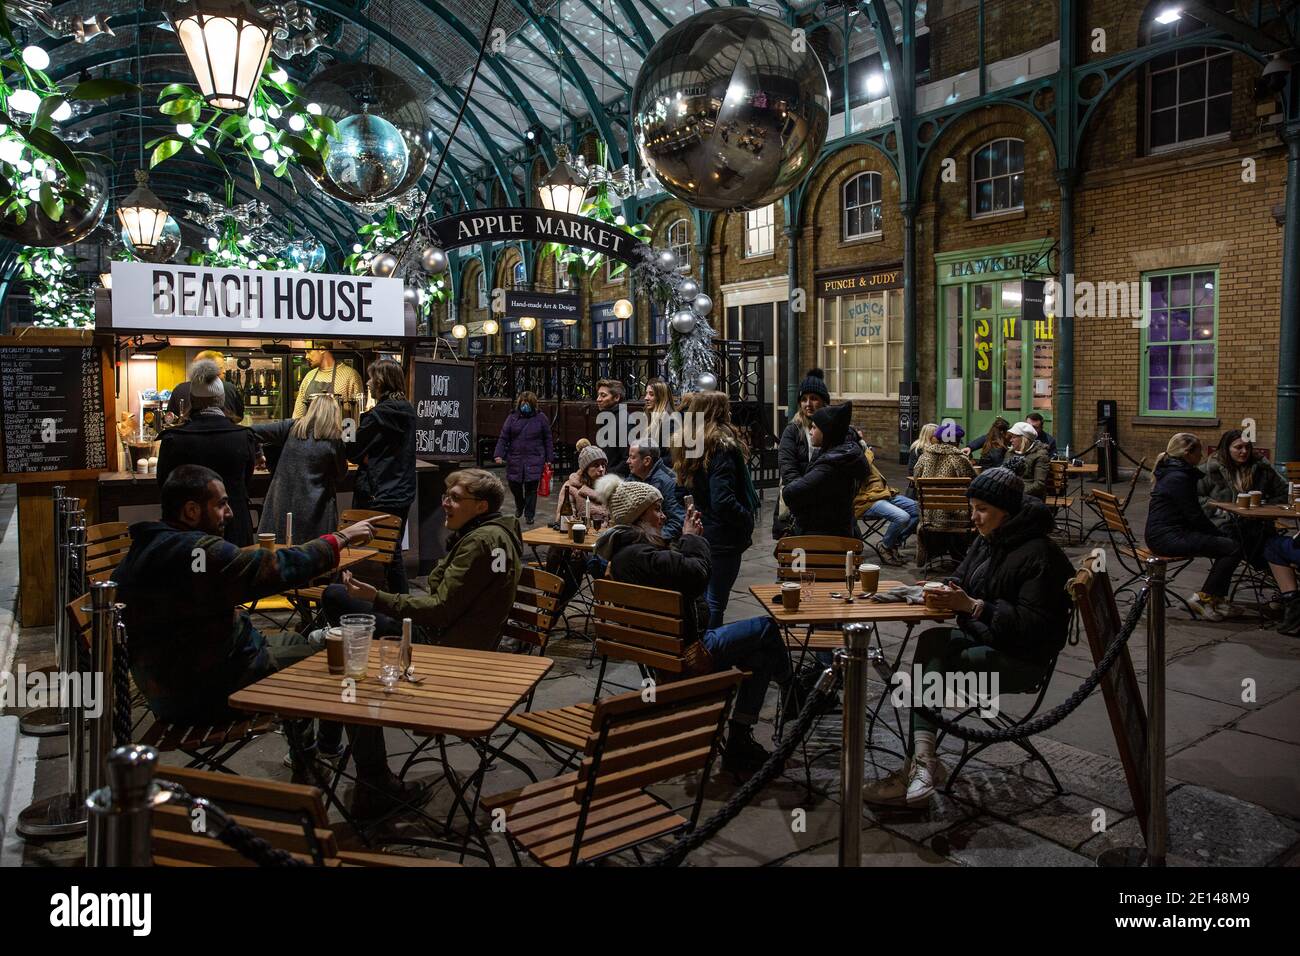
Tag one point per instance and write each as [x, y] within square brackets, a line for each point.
[52, 409]
[444, 395]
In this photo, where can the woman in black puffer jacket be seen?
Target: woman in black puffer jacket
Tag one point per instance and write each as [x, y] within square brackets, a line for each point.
[1177, 527]
[821, 501]
[1013, 616]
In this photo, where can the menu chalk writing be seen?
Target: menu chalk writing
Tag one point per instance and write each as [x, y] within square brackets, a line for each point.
[444, 409]
[52, 409]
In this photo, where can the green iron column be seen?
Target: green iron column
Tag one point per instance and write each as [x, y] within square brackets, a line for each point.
[910, 371]
[1288, 348]
[1064, 423]
[792, 373]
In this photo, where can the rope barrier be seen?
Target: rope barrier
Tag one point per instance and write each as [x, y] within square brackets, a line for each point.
[239, 838]
[1062, 710]
[775, 763]
[121, 685]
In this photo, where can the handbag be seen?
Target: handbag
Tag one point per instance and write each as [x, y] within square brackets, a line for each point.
[544, 484]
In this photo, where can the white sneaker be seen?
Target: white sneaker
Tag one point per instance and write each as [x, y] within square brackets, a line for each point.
[1204, 608]
[1228, 609]
[912, 785]
[920, 784]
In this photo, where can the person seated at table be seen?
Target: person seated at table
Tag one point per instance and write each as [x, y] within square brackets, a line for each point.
[923, 441]
[795, 450]
[992, 445]
[471, 588]
[1232, 470]
[192, 645]
[578, 502]
[942, 531]
[645, 463]
[821, 499]
[1177, 527]
[1013, 617]
[876, 499]
[1035, 419]
[1282, 552]
[1029, 459]
[637, 553]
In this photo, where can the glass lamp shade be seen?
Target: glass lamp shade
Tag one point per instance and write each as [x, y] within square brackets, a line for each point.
[564, 188]
[226, 43]
[528, 323]
[623, 309]
[490, 327]
[106, 279]
[143, 215]
[459, 331]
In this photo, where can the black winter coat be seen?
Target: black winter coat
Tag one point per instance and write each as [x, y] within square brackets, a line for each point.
[792, 454]
[1175, 508]
[822, 500]
[1020, 574]
[722, 500]
[683, 566]
[385, 452]
[215, 442]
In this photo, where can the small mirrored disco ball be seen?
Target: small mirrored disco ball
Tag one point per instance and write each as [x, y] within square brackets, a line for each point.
[368, 158]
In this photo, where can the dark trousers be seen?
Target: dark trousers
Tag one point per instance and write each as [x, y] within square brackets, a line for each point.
[336, 602]
[525, 494]
[1225, 552]
[949, 650]
[723, 570]
[395, 570]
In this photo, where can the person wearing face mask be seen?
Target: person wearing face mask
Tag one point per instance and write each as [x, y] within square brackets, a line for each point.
[525, 449]
[821, 501]
[1013, 617]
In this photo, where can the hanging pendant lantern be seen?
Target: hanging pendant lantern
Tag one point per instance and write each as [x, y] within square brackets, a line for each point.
[227, 43]
[564, 188]
[143, 215]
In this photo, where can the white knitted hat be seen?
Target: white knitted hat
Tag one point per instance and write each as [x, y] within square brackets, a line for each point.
[627, 501]
[205, 380]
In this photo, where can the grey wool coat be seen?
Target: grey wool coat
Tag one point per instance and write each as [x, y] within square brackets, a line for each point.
[305, 483]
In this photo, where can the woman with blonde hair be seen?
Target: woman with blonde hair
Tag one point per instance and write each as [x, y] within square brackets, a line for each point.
[658, 404]
[311, 465]
[714, 469]
[922, 442]
[941, 531]
[1178, 528]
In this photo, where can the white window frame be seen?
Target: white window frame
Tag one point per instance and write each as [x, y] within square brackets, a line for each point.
[1009, 176]
[519, 274]
[760, 232]
[877, 188]
[611, 279]
[1163, 31]
[482, 288]
[829, 312]
[679, 241]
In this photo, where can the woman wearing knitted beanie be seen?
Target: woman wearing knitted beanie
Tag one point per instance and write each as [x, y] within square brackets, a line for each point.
[637, 554]
[1013, 615]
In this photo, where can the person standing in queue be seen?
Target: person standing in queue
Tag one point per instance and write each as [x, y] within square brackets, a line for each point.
[714, 469]
[525, 449]
[306, 480]
[609, 396]
[328, 375]
[822, 499]
[384, 452]
[209, 438]
[179, 403]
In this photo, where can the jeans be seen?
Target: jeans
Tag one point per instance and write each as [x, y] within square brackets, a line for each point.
[901, 512]
[368, 748]
[949, 650]
[1224, 550]
[725, 568]
[525, 493]
[336, 602]
[754, 645]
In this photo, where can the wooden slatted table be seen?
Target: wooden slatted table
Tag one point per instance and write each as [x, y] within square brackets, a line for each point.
[1263, 512]
[823, 610]
[549, 538]
[347, 556]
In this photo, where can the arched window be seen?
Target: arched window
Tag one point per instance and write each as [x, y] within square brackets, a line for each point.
[998, 177]
[1189, 92]
[520, 275]
[679, 240]
[482, 288]
[861, 211]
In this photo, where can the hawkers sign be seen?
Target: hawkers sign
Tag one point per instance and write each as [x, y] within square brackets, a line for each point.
[535, 225]
[178, 298]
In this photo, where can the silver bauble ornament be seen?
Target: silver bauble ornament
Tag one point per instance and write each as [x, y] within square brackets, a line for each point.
[79, 217]
[667, 261]
[383, 265]
[684, 322]
[412, 295]
[434, 260]
[726, 114]
[702, 305]
[689, 289]
[384, 135]
[707, 382]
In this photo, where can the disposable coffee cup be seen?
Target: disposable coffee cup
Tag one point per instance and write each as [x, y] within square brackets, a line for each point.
[1256, 499]
[334, 656]
[869, 577]
[931, 589]
[579, 532]
[790, 595]
[1243, 500]
[266, 540]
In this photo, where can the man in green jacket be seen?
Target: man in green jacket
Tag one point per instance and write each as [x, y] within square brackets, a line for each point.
[471, 589]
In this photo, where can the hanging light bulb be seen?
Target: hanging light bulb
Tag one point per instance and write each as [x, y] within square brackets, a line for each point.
[24, 101]
[490, 327]
[35, 57]
[459, 331]
[297, 123]
[143, 215]
[623, 309]
[528, 323]
[564, 188]
[226, 43]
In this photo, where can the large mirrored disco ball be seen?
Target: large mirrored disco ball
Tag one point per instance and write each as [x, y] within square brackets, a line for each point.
[384, 136]
[79, 218]
[169, 243]
[727, 113]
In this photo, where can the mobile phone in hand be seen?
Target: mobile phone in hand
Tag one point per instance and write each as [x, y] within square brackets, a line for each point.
[690, 502]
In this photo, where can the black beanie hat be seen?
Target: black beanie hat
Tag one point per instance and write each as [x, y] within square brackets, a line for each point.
[834, 421]
[1000, 487]
[815, 382]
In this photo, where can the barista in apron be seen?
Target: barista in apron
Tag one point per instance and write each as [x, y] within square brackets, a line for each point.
[329, 377]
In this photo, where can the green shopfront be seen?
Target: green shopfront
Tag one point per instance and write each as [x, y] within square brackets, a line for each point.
[991, 362]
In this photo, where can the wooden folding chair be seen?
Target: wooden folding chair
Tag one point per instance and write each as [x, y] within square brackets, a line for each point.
[1293, 471]
[106, 546]
[947, 497]
[822, 554]
[290, 817]
[1131, 555]
[633, 623]
[1058, 494]
[629, 743]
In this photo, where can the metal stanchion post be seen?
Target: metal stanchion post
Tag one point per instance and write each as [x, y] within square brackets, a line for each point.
[851, 661]
[121, 812]
[1157, 819]
[103, 628]
[48, 721]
